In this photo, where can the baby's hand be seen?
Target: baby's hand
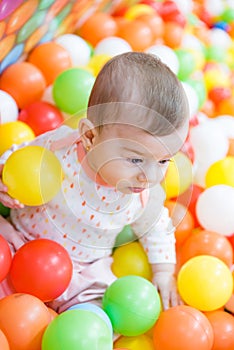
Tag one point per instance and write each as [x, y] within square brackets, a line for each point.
[5, 199]
[166, 285]
[165, 282]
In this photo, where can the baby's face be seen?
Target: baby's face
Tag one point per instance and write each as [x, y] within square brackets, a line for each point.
[131, 159]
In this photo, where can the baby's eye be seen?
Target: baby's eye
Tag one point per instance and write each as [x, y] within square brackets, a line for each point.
[135, 160]
[164, 161]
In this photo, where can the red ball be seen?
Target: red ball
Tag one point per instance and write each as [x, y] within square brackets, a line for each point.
[42, 268]
[41, 117]
[5, 258]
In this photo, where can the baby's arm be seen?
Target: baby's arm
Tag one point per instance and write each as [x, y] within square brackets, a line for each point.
[156, 233]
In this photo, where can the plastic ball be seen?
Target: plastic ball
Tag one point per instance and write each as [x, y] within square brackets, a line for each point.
[41, 117]
[221, 172]
[156, 24]
[4, 211]
[5, 258]
[135, 343]
[23, 320]
[77, 329]
[186, 63]
[8, 108]
[173, 34]
[226, 106]
[51, 58]
[223, 327]
[178, 176]
[167, 56]
[132, 304]
[192, 97]
[189, 200]
[112, 46]
[93, 308]
[137, 34]
[182, 220]
[33, 175]
[97, 27]
[214, 209]
[71, 90]
[97, 62]
[4, 345]
[205, 283]
[78, 49]
[199, 86]
[183, 327]
[137, 10]
[207, 243]
[125, 236]
[42, 268]
[131, 259]
[24, 82]
[16, 133]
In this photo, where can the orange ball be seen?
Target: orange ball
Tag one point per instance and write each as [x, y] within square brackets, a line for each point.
[97, 27]
[173, 34]
[223, 328]
[4, 345]
[231, 148]
[207, 243]
[183, 327]
[226, 106]
[24, 82]
[51, 58]
[137, 33]
[155, 23]
[181, 219]
[23, 320]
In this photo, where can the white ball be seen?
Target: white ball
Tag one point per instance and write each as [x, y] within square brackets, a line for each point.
[48, 95]
[167, 56]
[214, 209]
[8, 108]
[192, 97]
[214, 7]
[220, 38]
[77, 48]
[112, 46]
[208, 143]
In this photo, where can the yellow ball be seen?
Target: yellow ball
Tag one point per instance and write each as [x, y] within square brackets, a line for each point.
[138, 10]
[216, 77]
[96, 63]
[221, 172]
[15, 132]
[135, 343]
[178, 177]
[205, 283]
[33, 175]
[131, 259]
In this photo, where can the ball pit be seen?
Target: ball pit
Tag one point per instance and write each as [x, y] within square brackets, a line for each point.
[196, 40]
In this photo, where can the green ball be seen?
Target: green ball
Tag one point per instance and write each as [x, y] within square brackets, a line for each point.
[125, 236]
[187, 63]
[132, 304]
[77, 329]
[215, 54]
[228, 15]
[200, 88]
[71, 90]
[4, 211]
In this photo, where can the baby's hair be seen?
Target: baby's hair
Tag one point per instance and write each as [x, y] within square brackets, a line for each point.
[137, 88]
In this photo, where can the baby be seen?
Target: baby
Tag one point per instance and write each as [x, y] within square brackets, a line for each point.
[137, 119]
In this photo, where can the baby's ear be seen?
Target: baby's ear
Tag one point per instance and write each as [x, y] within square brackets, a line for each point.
[87, 132]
